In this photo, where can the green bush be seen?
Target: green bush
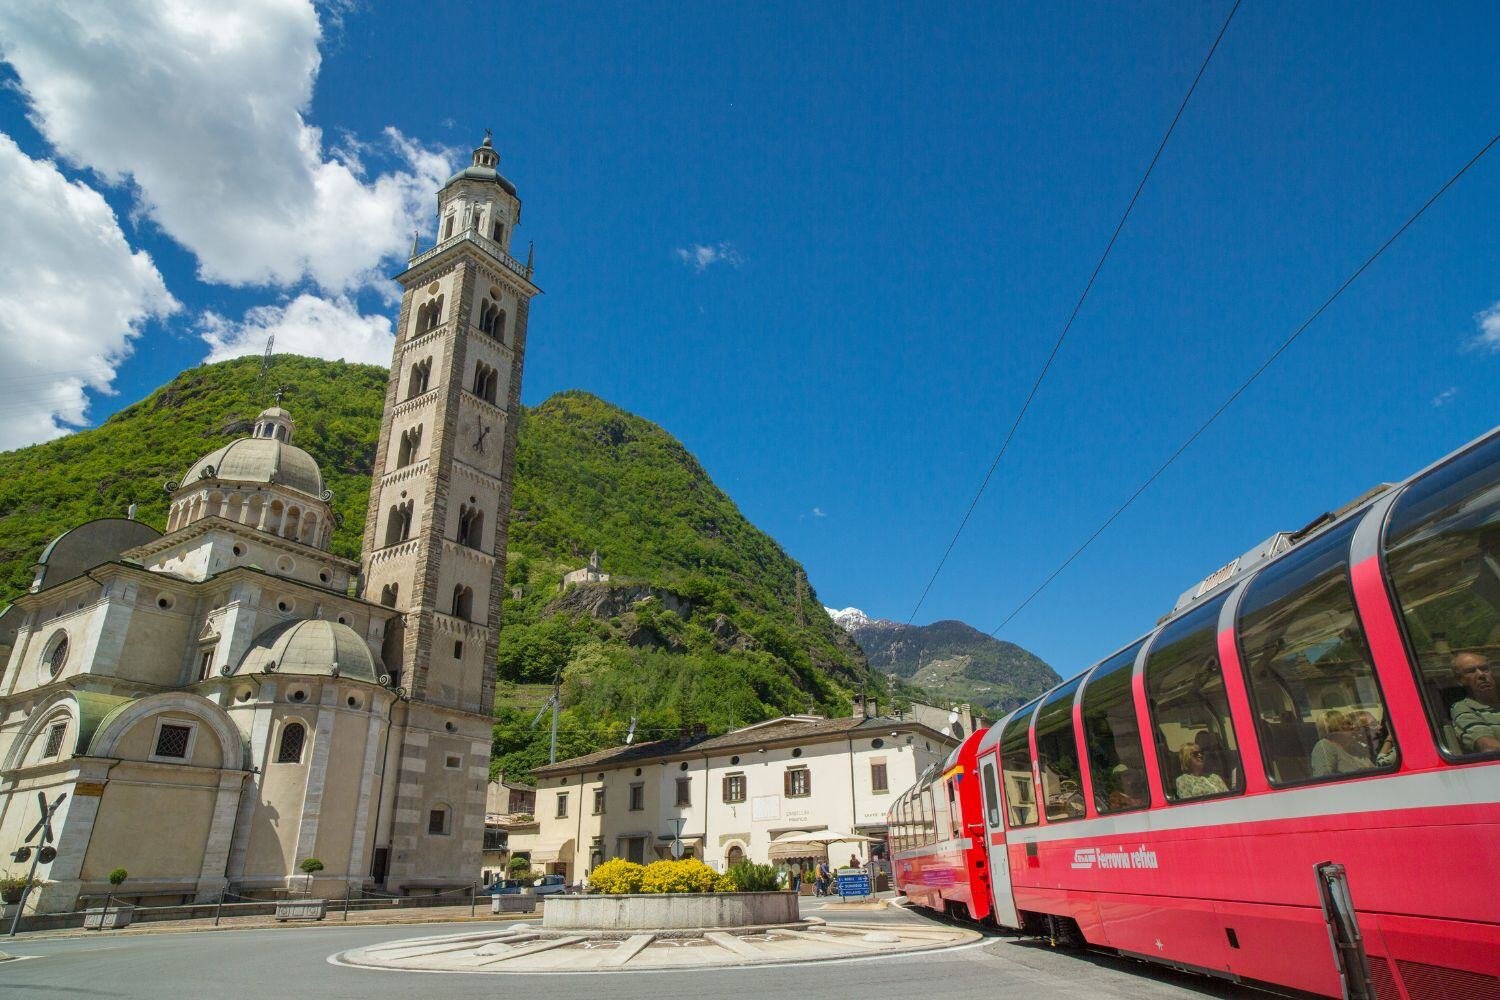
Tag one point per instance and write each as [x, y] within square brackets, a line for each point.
[310, 866]
[617, 876]
[751, 877]
[117, 876]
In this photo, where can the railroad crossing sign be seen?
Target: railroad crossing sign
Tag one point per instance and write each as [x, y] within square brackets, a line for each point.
[45, 852]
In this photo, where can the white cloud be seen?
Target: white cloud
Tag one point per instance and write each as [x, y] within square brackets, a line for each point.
[818, 512]
[701, 256]
[1445, 397]
[1488, 338]
[308, 324]
[73, 296]
[201, 107]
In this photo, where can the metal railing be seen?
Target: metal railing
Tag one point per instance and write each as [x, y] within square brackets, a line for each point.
[486, 244]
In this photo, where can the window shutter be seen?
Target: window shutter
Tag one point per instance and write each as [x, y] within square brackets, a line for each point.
[786, 781]
[726, 788]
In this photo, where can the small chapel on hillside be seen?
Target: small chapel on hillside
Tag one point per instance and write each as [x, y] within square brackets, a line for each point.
[222, 700]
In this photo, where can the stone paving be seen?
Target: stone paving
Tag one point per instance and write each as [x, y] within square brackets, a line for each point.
[527, 948]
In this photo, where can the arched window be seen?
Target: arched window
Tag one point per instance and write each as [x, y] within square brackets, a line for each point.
[499, 331]
[398, 523]
[463, 602]
[486, 379]
[498, 232]
[448, 227]
[421, 371]
[56, 655]
[435, 313]
[388, 594]
[289, 750]
[736, 855]
[406, 452]
[489, 312]
[470, 526]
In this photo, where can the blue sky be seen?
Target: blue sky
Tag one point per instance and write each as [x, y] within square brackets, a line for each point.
[827, 246]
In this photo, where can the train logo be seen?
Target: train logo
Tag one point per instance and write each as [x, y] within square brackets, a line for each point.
[1091, 857]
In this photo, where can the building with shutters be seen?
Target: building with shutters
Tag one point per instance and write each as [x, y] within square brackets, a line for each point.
[728, 797]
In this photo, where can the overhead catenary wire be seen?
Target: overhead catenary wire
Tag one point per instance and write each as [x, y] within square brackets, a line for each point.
[1063, 335]
[1238, 392]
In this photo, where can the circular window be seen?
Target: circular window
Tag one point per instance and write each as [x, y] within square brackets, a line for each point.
[164, 601]
[244, 694]
[324, 576]
[733, 761]
[343, 620]
[797, 752]
[298, 695]
[284, 604]
[637, 772]
[55, 655]
[683, 766]
[450, 727]
[353, 701]
[495, 292]
[877, 743]
[285, 564]
[238, 550]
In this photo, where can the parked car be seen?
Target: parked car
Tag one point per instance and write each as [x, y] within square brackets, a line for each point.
[544, 886]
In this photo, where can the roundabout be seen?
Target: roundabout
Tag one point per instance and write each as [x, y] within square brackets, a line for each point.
[526, 948]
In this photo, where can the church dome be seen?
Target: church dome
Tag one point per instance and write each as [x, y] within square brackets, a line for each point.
[312, 647]
[260, 460]
[485, 168]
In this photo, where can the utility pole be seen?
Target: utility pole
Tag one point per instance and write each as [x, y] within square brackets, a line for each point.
[553, 701]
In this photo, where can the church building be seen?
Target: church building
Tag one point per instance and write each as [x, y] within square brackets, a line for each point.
[222, 701]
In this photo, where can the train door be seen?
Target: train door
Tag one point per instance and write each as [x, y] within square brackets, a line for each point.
[994, 837]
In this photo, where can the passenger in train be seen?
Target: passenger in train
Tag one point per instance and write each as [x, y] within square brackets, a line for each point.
[1128, 788]
[1379, 744]
[1477, 716]
[1340, 751]
[1214, 758]
[1195, 781]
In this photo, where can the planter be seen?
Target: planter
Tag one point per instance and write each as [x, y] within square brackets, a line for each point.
[301, 909]
[669, 911]
[513, 903]
[11, 896]
[101, 918]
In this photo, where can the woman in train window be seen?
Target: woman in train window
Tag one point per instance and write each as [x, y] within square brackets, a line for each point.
[1339, 752]
[1196, 781]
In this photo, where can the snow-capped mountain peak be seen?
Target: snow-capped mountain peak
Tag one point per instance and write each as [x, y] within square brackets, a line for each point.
[850, 619]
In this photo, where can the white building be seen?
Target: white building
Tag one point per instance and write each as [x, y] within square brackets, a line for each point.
[728, 797]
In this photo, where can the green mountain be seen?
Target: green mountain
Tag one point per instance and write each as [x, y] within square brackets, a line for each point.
[705, 619]
[951, 661]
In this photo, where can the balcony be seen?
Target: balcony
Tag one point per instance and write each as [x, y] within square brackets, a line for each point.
[484, 243]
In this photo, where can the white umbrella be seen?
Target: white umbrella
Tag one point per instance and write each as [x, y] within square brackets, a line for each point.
[825, 837]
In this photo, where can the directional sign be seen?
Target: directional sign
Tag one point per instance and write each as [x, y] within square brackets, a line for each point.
[853, 882]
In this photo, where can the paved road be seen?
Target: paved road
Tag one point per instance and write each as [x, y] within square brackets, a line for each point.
[254, 964]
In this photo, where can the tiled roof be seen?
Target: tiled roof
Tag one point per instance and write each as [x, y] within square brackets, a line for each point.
[792, 729]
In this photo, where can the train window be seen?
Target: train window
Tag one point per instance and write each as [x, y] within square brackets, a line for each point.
[1442, 551]
[1057, 756]
[1117, 760]
[1189, 709]
[1316, 702]
[929, 817]
[991, 795]
[955, 819]
[1015, 766]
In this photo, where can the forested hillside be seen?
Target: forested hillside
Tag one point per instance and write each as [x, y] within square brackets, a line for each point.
[703, 621]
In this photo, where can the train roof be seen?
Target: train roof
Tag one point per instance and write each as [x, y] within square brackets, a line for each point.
[1231, 575]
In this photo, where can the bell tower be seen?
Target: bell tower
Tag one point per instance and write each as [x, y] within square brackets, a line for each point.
[435, 533]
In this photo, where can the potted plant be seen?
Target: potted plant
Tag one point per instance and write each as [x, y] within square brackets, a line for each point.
[304, 909]
[104, 917]
[13, 887]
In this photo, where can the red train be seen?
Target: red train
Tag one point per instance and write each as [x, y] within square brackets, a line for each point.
[1294, 779]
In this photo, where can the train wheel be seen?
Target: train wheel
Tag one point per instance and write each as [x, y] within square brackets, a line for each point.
[1063, 932]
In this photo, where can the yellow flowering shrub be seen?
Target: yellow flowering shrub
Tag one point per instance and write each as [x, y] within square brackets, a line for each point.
[724, 882]
[618, 876]
[687, 875]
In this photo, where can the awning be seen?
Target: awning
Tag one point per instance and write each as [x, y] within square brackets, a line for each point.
[795, 850]
[546, 854]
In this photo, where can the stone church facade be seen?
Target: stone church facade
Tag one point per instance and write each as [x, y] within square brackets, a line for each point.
[224, 700]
